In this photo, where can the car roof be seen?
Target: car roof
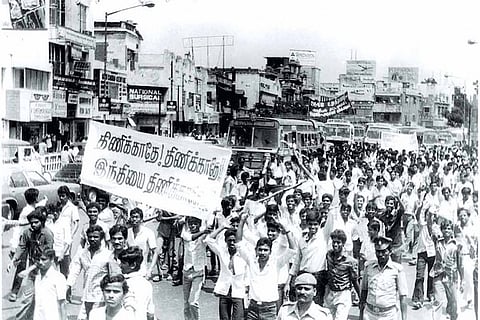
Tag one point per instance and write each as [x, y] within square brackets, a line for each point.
[14, 142]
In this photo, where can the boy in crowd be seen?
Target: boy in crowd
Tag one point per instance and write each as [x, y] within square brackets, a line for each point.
[141, 236]
[264, 271]
[62, 239]
[342, 275]
[194, 261]
[31, 198]
[50, 289]
[448, 266]
[140, 294]
[93, 209]
[230, 286]
[114, 288]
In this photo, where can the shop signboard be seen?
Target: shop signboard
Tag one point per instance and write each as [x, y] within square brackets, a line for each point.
[146, 94]
[171, 106]
[84, 108]
[40, 111]
[104, 104]
[12, 102]
[72, 98]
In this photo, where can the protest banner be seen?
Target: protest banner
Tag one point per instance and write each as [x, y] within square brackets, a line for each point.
[183, 177]
[399, 141]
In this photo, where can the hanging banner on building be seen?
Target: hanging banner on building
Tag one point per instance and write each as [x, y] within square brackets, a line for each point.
[330, 107]
[399, 141]
[183, 177]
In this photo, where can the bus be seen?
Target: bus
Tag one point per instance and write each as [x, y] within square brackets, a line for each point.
[358, 133]
[374, 131]
[433, 138]
[253, 138]
[338, 131]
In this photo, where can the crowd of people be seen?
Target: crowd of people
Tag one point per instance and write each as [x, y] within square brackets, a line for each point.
[307, 238]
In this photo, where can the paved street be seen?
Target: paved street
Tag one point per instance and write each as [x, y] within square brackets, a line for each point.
[169, 299]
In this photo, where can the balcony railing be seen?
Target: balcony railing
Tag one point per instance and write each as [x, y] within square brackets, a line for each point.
[387, 108]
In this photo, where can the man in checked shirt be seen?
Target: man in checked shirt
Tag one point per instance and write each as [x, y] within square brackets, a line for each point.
[341, 275]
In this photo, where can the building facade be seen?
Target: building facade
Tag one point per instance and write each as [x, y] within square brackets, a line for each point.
[51, 91]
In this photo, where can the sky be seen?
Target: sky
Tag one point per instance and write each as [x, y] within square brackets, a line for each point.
[430, 35]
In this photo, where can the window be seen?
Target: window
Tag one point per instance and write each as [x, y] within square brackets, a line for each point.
[36, 179]
[18, 78]
[36, 79]
[131, 58]
[57, 58]
[413, 118]
[209, 97]
[57, 13]
[82, 17]
[426, 110]
[18, 180]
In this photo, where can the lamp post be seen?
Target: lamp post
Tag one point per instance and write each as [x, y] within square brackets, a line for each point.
[107, 14]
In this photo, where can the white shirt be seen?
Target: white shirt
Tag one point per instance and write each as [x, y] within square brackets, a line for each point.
[263, 283]
[101, 314]
[227, 279]
[139, 296]
[61, 237]
[49, 290]
[107, 217]
[145, 240]
[69, 215]
[194, 252]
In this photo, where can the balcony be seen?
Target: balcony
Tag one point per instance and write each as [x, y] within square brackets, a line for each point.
[387, 108]
[62, 35]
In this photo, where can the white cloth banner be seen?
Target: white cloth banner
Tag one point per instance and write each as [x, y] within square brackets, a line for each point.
[399, 141]
[179, 176]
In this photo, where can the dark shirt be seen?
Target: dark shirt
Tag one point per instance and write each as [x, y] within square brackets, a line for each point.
[33, 244]
[341, 272]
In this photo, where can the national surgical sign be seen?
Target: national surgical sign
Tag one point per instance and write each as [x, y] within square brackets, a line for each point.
[144, 94]
[179, 176]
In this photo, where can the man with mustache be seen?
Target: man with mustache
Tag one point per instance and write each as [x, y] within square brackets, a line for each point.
[304, 307]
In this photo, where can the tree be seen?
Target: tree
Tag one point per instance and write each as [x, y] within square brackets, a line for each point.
[455, 117]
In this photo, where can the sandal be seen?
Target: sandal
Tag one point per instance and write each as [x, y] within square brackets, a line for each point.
[12, 297]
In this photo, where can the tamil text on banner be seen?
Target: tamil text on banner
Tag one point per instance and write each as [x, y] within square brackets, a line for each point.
[180, 176]
[399, 141]
[329, 107]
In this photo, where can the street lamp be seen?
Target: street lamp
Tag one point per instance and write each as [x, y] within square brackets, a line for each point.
[464, 106]
[148, 5]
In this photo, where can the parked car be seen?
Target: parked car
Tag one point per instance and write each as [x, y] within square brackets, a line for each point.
[16, 179]
[70, 173]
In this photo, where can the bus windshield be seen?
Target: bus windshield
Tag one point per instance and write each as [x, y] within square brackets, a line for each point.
[376, 132]
[261, 137]
[337, 130]
[359, 132]
[430, 138]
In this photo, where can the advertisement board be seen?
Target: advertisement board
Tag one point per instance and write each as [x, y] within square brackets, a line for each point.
[361, 67]
[303, 57]
[403, 74]
[28, 15]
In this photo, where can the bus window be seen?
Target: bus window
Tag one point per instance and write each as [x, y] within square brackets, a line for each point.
[343, 132]
[240, 136]
[265, 138]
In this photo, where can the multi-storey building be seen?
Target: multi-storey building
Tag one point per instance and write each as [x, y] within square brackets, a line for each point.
[436, 102]
[257, 87]
[120, 60]
[50, 91]
[289, 73]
